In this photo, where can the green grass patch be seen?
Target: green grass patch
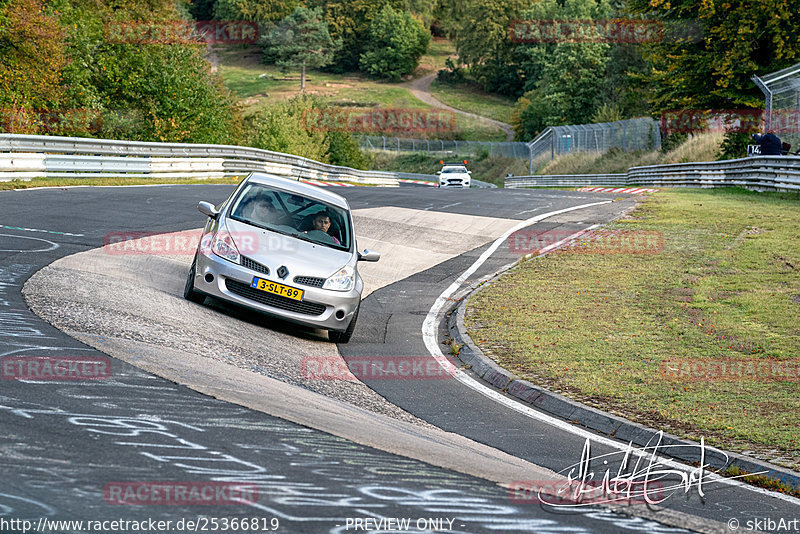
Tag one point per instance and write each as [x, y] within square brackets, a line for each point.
[471, 98]
[439, 50]
[600, 327]
[66, 182]
[258, 85]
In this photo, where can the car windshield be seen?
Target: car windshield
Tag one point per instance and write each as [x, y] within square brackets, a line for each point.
[292, 214]
[454, 169]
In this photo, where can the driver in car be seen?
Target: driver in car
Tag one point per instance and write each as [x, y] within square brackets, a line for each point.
[322, 222]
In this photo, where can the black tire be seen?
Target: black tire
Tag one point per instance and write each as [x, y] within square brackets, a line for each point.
[189, 292]
[337, 336]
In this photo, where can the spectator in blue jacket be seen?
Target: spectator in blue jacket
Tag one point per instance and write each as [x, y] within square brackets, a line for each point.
[769, 142]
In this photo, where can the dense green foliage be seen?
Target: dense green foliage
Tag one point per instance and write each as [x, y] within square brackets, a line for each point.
[725, 42]
[480, 29]
[705, 57]
[31, 56]
[251, 10]
[395, 42]
[349, 21]
[68, 59]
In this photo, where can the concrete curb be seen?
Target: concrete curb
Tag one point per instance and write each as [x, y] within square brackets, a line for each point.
[592, 418]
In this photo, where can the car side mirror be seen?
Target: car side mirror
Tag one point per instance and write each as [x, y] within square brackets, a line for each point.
[207, 208]
[369, 255]
[438, 172]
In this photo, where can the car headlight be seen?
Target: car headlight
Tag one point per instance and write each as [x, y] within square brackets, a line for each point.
[343, 280]
[224, 247]
[205, 244]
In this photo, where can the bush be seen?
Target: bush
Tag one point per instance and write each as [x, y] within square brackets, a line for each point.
[452, 74]
[734, 145]
[396, 41]
[343, 150]
[282, 127]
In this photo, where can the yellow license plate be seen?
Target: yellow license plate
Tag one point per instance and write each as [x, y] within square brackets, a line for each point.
[277, 289]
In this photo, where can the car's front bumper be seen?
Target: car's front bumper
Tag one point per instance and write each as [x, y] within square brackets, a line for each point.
[454, 183]
[320, 308]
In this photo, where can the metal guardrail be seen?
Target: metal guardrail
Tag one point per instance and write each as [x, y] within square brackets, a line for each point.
[568, 180]
[761, 173]
[31, 156]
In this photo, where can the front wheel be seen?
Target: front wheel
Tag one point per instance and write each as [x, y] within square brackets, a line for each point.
[189, 292]
[337, 336]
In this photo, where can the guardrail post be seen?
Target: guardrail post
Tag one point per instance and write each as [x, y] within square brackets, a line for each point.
[530, 160]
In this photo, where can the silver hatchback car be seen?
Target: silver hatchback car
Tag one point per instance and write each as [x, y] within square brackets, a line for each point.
[283, 248]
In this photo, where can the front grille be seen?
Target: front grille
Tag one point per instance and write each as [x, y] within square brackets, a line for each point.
[312, 281]
[276, 301]
[254, 265]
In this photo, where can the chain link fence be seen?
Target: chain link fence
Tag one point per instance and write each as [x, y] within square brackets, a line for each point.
[782, 91]
[628, 135]
[443, 147]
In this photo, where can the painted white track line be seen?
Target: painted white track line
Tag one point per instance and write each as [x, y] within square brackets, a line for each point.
[430, 337]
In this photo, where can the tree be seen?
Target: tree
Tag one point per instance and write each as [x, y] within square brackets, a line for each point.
[64, 65]
[565, 82]
[31, 60]
[301, 40]
[480, 30]
[710, 66]
[252, 10]
[349, 21]
[396, 41]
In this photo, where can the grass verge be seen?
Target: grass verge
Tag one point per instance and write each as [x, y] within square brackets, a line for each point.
[67, 182]
[601, 328]
[470, 97]
[703, 147]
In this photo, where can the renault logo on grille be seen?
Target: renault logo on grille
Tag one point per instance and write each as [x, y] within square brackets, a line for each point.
[283, 272]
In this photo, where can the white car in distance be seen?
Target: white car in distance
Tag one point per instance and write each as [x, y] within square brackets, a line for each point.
[454, 175]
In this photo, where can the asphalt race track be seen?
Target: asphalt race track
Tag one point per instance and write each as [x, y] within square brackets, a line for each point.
[67, 445]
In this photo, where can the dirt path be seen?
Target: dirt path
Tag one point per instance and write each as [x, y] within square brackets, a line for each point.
[421, 89]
